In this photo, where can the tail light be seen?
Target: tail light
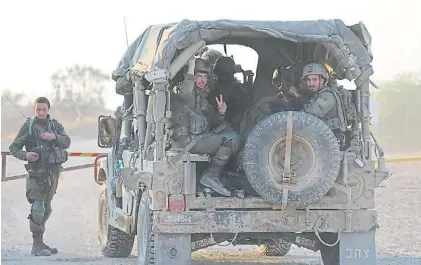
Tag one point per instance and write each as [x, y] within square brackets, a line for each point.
[176, 203]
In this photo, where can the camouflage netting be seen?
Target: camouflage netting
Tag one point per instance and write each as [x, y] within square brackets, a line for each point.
[350, 45]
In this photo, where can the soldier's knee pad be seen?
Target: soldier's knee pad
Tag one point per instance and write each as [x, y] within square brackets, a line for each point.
[37, 212]
[36, 217]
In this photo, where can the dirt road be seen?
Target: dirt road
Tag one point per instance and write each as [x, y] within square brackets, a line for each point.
[72, 226]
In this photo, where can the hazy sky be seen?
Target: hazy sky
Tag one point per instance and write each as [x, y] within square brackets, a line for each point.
[39, 37]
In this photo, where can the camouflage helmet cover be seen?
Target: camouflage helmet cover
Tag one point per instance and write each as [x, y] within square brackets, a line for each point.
[201, 66]
[315, 69]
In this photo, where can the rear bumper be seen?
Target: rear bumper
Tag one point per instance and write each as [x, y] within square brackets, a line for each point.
[265, 221]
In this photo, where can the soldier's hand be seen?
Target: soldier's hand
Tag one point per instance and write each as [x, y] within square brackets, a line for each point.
[222, 107]
[293, 91]
[192, 62]
[48, 136]
[31, 156]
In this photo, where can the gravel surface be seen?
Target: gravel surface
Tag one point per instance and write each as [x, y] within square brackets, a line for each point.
[72, 225]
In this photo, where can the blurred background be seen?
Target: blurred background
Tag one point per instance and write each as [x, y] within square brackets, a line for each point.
[66, 50]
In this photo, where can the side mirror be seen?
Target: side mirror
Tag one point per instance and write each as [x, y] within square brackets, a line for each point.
[106, 131]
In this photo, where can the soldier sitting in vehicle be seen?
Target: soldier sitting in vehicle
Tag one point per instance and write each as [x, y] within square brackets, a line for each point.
[211, 56]
[333, 105]
[230, 89]
[200, 127]
[292, 87]
[292, 96]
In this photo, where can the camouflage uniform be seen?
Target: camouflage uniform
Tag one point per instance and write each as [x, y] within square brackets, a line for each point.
[36, 194]
[195, 120]
[328, 105]
[283, 79]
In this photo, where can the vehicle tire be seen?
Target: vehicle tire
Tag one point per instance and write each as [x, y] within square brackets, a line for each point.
[145, 238]
[315, 158]
[330, 255]
[114, 243]
[279, 248]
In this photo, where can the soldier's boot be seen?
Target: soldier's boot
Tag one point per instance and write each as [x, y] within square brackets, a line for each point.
[38, 248]
[52, 250]
[211, 178]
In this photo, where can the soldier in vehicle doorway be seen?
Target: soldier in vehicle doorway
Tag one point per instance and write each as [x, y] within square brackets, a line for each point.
[230, 88]
[45, 142]
[199, 127]
[292, 88]
[211, 56]
[333, 105]
[293, 95]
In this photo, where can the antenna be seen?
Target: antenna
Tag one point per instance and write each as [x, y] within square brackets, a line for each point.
[4, 95]
[125, 30]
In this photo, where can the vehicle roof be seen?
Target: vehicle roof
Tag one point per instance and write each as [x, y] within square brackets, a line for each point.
[350, 45]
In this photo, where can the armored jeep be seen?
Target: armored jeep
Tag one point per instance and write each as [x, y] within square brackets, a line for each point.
[150, 188]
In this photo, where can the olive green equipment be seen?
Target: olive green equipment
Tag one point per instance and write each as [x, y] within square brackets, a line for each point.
[315, 69]
[49, 156]
[38, 169]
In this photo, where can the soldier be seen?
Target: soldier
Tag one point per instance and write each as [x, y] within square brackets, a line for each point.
[292, 96]
[232, 91]
[45, 144]
[211, 56]
[292, 88]
[200, 127]
[333, 105]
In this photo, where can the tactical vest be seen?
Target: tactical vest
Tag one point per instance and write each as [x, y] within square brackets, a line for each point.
[348, 106]
[345, 108]
[188, 121]
[53, 154]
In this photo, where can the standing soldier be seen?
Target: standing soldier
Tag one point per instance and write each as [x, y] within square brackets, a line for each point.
[45, 143]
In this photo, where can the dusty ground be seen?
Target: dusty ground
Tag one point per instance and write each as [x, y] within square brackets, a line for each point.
[72, 226]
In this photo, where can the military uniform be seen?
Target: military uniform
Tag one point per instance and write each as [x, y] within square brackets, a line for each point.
[327, 105]
[333, 105]
[235, 96]
[323, 105]
[196, 122]
[38, 194]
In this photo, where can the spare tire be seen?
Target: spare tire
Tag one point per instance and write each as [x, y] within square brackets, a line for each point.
[315, 158]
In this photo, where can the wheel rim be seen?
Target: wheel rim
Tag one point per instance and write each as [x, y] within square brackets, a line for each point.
[303, 158]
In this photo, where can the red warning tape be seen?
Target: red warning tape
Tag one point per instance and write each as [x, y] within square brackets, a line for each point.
[71, 154]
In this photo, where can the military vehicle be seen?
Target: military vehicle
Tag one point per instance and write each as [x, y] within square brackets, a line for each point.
[299, 184]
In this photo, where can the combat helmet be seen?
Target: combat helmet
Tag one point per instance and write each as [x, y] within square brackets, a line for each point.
[201, 66]
[315, 69]
[211, 56]
[291, 73]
